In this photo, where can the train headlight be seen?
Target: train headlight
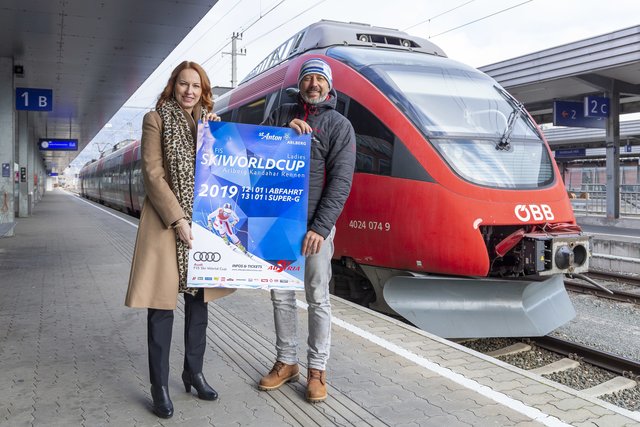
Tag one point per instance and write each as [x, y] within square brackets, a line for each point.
[563, 257]
[570, 256]
[580, 255]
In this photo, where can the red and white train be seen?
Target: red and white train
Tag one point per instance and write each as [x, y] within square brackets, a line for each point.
[458, 218]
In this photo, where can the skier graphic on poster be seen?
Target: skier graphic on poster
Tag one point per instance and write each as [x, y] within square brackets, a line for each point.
[223, 220]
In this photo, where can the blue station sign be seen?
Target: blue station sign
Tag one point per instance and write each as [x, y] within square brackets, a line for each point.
[58, 144]
[596, 106]
[571, 113]
[34, 99]
[570, 153]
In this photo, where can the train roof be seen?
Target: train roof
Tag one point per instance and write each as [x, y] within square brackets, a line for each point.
[328, 33]
[116, 147]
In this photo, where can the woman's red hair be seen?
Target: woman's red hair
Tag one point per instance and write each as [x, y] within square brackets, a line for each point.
[205, 99]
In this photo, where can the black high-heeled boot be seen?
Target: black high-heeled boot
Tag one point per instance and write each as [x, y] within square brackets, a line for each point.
[162, 405]
[205, 391]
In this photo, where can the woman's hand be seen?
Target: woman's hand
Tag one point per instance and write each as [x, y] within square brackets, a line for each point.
[212, 117]
[183, 230]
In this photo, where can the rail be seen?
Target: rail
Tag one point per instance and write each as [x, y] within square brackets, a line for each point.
[601, 359]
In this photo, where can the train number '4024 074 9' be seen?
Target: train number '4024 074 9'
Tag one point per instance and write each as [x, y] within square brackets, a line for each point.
[369, 225]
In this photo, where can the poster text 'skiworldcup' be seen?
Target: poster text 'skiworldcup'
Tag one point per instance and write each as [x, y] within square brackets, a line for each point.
[252, 162]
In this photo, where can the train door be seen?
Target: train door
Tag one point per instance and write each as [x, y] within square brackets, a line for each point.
[374, 226]
[137, 183]
[127, 175]
[371, 201]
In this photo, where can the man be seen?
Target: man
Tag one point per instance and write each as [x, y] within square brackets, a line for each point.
[333, 154]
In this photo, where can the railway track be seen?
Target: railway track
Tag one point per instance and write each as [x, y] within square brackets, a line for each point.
[595, 373]
[633, 280]
[626, 288]
[610, 362]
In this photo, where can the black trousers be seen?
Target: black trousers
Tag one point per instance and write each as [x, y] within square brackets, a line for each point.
[159, 330]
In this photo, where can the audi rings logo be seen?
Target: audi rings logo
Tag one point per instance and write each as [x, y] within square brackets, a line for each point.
[206, 256]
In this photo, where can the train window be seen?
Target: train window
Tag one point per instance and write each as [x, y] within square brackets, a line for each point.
[253, 113]
[374, 142]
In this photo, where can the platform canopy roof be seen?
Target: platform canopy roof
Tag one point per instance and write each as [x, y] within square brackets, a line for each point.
[573, 71]
[93, 54]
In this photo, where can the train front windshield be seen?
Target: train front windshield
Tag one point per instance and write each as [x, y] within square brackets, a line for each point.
[479, 129]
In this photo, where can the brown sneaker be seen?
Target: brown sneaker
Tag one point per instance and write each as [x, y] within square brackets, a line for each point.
[316, 385]
[280, 374]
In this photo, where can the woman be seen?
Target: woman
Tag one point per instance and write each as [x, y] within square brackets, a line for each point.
[159, 265]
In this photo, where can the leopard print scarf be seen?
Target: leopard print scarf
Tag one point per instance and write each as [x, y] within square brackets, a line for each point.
[180, 152]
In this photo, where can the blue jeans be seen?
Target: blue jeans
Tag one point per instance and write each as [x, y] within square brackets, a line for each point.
[317, 275]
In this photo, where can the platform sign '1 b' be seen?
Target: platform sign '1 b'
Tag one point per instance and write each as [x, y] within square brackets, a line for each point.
[34, 99]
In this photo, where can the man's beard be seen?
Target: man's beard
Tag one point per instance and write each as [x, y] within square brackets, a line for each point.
[312, 101]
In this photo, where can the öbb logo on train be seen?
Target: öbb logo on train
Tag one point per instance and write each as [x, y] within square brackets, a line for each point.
[536, 212]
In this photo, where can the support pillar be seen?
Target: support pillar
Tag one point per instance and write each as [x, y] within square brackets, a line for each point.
[22, 150]
[31, 171]
[612, 142]
[7, 142]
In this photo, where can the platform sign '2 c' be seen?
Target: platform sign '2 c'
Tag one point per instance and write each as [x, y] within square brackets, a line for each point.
[596, 106]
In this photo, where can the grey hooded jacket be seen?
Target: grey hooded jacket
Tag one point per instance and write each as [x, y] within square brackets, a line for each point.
[333, 157]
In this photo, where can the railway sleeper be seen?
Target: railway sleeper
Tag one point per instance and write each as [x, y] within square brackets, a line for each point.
[610, 387]
[614, 385]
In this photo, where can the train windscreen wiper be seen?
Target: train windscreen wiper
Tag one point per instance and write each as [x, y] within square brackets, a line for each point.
[517, 112]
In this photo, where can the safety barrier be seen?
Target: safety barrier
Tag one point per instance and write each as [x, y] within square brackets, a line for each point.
[595, 203]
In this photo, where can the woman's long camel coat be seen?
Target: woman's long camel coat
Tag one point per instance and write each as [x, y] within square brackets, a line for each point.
[153, 282]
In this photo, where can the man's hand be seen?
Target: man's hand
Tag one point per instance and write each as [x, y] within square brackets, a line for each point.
[312, 243]
[300, 126]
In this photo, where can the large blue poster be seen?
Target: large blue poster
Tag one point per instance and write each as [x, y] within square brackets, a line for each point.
[250, 207]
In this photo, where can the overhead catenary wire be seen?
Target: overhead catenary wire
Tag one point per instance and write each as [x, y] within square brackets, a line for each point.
[243, 30]
[144, 109]
[221, 62]
[438, 15]
[286, 20]
[211, 68]
[480, 19]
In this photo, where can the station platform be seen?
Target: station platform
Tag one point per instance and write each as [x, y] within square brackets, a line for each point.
[72, 354]
[615, 245]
